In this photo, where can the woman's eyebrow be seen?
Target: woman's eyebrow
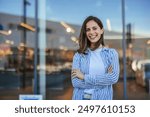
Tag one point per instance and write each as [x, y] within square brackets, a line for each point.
[91, 27]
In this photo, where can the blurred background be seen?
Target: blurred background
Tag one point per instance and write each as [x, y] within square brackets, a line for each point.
[38, 39]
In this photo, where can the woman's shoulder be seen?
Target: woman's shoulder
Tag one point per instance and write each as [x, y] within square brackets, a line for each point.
[77, 55]
[110, 50]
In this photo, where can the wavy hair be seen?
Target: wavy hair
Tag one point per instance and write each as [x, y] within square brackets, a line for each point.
[84, 43]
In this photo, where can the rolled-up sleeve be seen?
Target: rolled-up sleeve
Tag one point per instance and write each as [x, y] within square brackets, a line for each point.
[77, 83]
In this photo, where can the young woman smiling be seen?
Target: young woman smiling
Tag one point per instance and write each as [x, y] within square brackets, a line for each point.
[95, 68]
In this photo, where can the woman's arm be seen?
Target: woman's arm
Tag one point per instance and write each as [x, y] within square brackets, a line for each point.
[107, 78]
[76, 82]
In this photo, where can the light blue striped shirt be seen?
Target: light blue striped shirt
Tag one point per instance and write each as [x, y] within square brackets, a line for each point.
[95, 69]
[101, 83]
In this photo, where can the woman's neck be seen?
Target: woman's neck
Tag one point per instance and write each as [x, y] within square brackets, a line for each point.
[92, 46]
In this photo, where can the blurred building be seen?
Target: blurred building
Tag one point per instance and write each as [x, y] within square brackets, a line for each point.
[61, 44]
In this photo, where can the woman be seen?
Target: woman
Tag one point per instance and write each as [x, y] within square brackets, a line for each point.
[95, 68]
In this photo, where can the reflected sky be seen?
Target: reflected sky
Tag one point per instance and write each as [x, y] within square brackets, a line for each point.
[75, 11]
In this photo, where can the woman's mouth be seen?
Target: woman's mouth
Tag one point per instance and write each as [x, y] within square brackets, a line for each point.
[92, 37]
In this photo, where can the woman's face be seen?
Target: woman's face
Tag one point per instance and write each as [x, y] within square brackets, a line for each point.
[93, 31]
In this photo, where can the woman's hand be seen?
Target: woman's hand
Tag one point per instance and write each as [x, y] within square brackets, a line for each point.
[77, 73]
[110, 69]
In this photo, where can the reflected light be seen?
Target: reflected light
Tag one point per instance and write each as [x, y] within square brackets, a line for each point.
[68, 30]
[134, 65]
[22, 44]
[41, 67]
[148, 42]
[74, 39]
[9, 42]
[63, 48]
[141, 62]
[27, 26]
[5, 49]
[67, 27]
[108, 24]
[130, 45]
[9, 32]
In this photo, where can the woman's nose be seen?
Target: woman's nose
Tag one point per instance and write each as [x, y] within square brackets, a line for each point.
[91, 31]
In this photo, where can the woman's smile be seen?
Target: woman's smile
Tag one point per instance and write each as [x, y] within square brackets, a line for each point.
[93, 31]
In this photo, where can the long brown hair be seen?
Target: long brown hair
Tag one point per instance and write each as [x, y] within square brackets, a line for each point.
[84, 43]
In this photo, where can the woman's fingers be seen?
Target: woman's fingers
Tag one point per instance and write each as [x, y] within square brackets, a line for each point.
[77, 73]
[73, 73]
[110, 69]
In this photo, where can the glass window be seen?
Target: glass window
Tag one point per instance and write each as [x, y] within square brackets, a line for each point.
[59, 28]
[16, 47]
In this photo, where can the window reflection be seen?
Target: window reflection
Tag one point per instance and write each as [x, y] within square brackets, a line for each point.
[64, 19]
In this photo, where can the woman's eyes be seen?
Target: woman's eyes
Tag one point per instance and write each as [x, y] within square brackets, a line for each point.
[87, 29]
[93, 28]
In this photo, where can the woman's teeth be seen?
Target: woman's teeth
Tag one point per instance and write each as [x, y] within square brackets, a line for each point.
[92, 37]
